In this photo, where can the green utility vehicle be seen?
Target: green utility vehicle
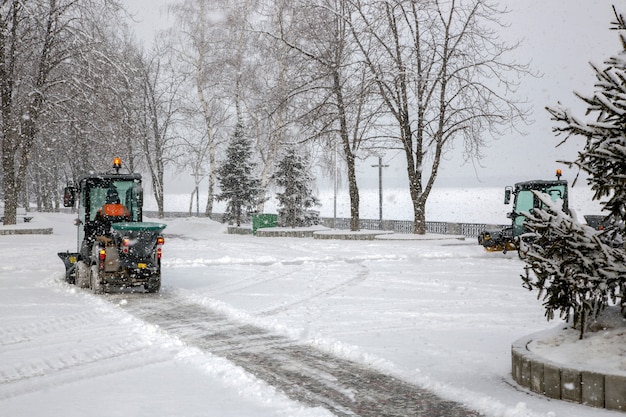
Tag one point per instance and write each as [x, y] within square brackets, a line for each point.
[508, 238]
[116, 248]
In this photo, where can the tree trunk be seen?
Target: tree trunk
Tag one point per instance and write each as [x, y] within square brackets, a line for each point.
[8, 169]
[417, 199]
[211, 145]
[10, 193]
[193, 193]
[212, 178]
[353, 188]
[238, 214]
[275, 136]
[419, 216]
[155, 133]
[158, 192]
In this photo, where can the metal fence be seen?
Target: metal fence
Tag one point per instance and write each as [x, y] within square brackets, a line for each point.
[397, 226]
[406, 226]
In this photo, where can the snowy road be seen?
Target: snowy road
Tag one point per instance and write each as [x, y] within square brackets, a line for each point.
[304, 373]
[262, 327]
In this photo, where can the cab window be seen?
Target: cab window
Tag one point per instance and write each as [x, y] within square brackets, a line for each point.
[126, 191]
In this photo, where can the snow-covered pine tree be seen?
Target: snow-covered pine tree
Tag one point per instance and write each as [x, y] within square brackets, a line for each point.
[574, 268]
[239, 188]
[604, 155]
[296, 199]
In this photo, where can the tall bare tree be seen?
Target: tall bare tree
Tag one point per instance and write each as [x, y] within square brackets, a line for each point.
[444, 76]
[333, 87]
[200, 39]
[55, 59]
[35, 39]
[161, 108]
[100, 117]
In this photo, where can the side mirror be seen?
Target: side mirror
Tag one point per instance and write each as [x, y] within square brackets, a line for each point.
[507, 195]
[69, 196]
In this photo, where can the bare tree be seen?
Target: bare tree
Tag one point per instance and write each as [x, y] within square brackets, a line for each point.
[160, 110]
[34, 40]
[200, 38]
[268, 102]
[98, 112]
[55, 59]
[223, 64]
[261, 78]
[442, 73]
[333, 87]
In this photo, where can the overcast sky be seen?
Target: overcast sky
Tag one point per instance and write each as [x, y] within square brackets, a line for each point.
[560, 38]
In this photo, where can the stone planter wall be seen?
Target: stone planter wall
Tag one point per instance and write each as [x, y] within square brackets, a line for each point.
[566, 383]
[31, 231]
[274, 232]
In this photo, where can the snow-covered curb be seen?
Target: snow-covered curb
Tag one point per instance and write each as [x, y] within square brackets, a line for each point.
[25, 230]
[427, 236]
[569, 383]
[321, 232]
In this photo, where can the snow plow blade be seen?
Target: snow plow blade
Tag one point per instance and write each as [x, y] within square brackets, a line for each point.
[497, 240]
[501, 248]
[69, 259]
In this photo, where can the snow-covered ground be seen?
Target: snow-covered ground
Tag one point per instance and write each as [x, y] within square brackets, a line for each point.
[440, 314]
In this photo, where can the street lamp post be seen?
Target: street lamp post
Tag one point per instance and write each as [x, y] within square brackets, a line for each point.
[198, 176]
[380, 167]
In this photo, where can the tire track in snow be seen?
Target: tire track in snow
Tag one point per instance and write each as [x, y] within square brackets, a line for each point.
[69, 348]
[25, 332]
[258, 278]
[247, 283]
[302, 372]
[360, 277]
[51, 372]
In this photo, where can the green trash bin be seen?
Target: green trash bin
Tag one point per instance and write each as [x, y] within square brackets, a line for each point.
[260, 221]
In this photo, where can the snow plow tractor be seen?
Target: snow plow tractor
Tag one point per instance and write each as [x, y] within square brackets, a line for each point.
[509, 238]
[116, 248]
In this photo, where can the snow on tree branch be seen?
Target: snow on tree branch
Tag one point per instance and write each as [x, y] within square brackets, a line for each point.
[570, 265]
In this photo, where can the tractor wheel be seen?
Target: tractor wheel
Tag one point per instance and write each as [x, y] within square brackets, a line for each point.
[96, 280]
[82, 275]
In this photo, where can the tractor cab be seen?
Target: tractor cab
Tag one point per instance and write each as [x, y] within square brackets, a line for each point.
[524, 201]
[104, 199]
